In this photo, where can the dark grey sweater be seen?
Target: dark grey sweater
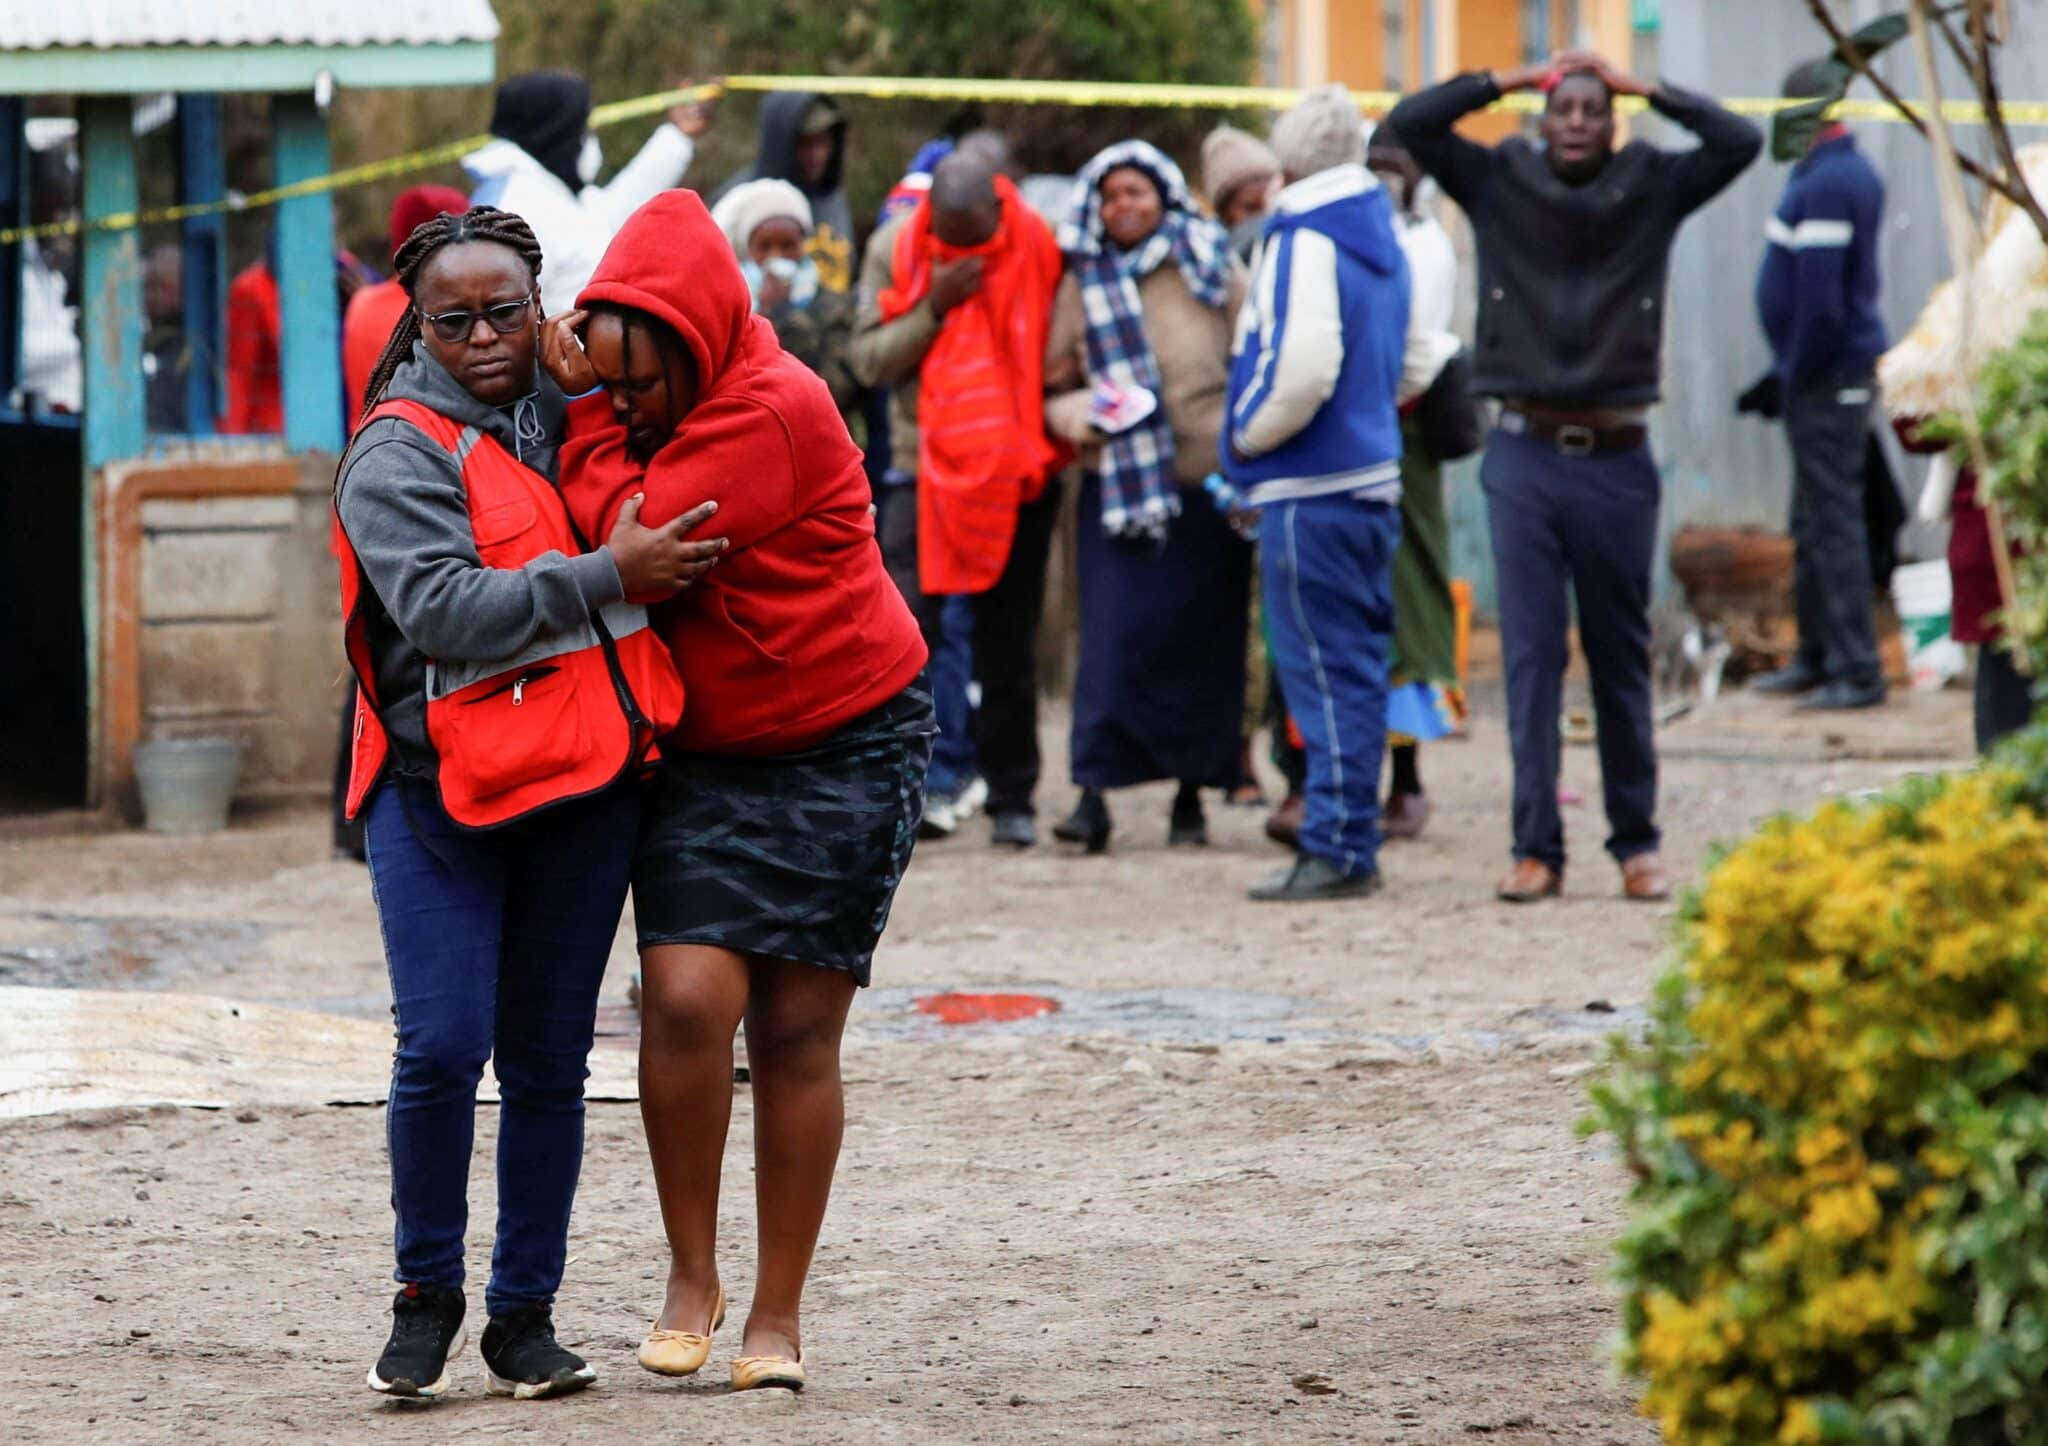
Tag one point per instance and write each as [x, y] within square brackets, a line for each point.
[1572, 277]
[403, 506]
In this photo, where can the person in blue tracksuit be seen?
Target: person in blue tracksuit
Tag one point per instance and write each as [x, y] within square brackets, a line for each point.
[1816, 295]
[1313, 440]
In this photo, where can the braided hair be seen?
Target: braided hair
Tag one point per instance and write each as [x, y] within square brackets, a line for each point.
[479, 223]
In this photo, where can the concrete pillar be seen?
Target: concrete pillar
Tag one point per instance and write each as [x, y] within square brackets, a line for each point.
[110, 319]
[309, 341]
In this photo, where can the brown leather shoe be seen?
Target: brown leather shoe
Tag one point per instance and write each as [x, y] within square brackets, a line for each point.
[1283, 824]
[1405, 815]
[1643, 878]
[1528, 881]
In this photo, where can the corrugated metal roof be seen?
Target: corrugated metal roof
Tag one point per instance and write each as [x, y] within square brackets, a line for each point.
[132, 24]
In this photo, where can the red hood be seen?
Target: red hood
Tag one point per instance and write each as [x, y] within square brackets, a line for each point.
[670, 259]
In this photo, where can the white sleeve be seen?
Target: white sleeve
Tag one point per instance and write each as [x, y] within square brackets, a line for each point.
[1433, 268]
[659, 166]
[1432, 298]
[1299, 334]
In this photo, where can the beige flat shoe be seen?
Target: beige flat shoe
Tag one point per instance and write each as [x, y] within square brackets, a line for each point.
[752, 1373]
[680, 1353]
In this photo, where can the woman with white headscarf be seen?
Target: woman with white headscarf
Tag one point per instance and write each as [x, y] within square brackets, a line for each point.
[769, 226]
[1138, 364]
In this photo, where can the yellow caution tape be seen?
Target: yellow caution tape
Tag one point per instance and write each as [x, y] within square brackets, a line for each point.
[1014, 92]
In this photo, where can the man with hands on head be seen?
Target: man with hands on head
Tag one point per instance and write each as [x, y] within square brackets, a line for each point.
[1574, 237]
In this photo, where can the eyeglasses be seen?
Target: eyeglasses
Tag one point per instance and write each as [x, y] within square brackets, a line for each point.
[504, 318]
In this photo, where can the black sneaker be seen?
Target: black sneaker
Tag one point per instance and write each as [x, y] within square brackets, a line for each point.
[1845, 698]
[1013, 831]
[1788, 682]
[1313, 880]
[523, 1359]
[426, 1333]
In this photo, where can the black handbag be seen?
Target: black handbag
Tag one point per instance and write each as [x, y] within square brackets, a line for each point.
[1449, 418]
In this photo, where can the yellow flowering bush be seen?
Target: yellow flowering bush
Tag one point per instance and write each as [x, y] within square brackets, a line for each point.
[1838, 1126]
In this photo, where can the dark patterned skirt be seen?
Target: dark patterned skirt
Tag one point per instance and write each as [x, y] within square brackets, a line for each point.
[795, 855]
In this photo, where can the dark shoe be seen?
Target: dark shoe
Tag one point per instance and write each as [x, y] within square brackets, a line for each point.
[522, 1358]
[426, 1333]
[1283, 824]
[1013, 831]
[1643, 879]
[1528, 881]
[1088, 825]
[1787, 682]
[1405, 816]
[1189, 826]
[1312, 880]
[1845, 698]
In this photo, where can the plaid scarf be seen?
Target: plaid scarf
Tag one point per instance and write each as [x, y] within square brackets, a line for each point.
[1139, 498]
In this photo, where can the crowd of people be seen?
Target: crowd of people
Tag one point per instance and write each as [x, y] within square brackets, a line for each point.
[1251, 392]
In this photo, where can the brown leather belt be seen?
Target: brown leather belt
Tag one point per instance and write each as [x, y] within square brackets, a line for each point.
[1573, 439]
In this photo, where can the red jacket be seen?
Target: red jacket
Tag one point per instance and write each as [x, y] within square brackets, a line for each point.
[798, 629]
[255, 318]
[373, 314]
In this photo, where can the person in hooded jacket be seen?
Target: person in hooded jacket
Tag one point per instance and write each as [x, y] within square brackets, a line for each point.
[1147, 306]
[803, 142]
[543, 163]
[496, 768]
[789, 796]
[1312, 438]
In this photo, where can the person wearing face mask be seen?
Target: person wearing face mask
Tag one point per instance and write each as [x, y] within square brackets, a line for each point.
[1146, 309]
[543, 163]
[1574, 238]
[788, 798]
[768, 224]
[803, 142]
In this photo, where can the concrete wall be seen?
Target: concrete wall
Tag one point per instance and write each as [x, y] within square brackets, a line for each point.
[238, 626]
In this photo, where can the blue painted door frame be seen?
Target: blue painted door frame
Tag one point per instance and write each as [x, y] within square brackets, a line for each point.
[13, 211]
[202, 178]
[111, 317]
[309, 341]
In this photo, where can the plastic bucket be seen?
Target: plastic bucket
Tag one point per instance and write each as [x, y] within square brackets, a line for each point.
[186, 783]
[1925, 598]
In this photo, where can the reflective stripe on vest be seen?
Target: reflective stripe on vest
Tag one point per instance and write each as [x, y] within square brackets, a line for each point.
[564, 718]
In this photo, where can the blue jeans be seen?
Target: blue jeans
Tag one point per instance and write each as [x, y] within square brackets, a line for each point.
[952, 677]
[1327, 570]
[1587, 524]
[497, 945]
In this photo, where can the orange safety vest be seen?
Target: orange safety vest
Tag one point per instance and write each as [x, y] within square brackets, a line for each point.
[568, 717]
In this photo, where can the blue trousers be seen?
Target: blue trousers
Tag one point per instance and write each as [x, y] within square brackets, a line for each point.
[1327, 570]
[952, 677]
[497, 944]
[1588, 524]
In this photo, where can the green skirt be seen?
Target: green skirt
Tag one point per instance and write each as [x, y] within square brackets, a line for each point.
[1425, 618]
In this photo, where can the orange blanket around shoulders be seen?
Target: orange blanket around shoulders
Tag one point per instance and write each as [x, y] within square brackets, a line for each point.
[982, 448]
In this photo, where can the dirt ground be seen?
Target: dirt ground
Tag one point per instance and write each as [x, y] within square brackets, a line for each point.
[1272, 1174]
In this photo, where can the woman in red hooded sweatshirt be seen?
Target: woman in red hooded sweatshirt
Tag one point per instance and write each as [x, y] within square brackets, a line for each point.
[790, 795]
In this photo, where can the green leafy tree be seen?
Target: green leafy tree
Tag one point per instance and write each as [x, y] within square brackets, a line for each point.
[630, 47]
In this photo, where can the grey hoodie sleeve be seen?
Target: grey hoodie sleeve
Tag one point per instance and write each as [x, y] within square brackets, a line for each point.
[407, 517]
